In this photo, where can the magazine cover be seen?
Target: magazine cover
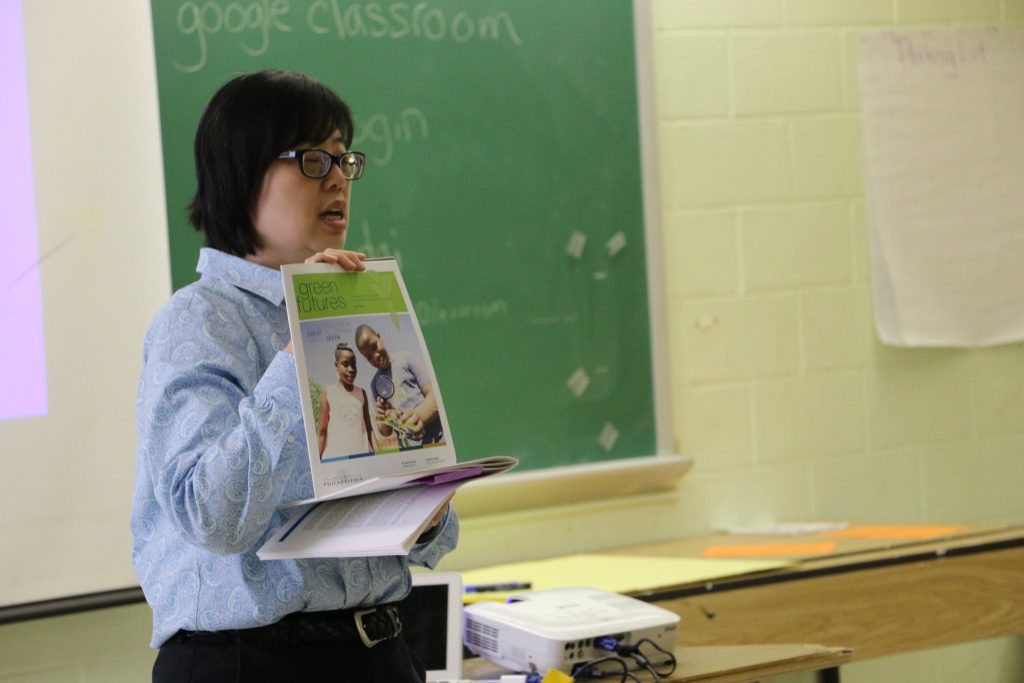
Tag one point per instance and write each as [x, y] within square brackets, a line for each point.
[370, 400]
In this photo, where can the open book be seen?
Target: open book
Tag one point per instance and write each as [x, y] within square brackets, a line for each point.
[382, 523]
[373, 414]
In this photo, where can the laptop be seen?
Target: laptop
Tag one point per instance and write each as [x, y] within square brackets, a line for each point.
[432, 623]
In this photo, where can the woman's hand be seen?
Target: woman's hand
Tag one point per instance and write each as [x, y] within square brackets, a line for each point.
[349, 260]
[439, 515]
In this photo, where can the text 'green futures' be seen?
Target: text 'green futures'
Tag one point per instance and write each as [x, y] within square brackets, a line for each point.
[328, 295]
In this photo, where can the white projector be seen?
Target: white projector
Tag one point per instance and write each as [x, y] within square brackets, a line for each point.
[560, 628]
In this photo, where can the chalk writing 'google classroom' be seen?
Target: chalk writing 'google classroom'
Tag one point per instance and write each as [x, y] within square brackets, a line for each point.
[255, 23]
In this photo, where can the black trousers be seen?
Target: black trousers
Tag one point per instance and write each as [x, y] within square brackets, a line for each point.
[232, 658]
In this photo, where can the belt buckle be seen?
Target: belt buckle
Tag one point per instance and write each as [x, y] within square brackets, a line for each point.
[394, 623]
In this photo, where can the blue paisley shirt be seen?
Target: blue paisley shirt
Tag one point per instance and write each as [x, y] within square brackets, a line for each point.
[221, 445]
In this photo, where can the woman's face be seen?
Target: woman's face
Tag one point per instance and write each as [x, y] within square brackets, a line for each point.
[297, 216]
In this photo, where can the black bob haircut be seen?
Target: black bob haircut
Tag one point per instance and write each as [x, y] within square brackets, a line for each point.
[248, 122]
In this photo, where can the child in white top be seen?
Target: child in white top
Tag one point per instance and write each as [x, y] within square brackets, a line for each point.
[345, 428]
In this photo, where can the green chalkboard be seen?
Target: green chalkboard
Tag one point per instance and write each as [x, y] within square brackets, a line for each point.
[504, 173]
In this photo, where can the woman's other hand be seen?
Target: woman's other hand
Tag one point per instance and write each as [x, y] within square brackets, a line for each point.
[348, 260]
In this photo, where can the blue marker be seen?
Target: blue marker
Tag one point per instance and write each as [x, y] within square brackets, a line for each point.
[498, 587]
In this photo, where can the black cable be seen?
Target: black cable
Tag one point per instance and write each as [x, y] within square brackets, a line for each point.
[590, 669]
[643, 663]
[670, 662]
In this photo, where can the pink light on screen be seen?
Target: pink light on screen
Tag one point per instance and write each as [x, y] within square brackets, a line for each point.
[22, 358]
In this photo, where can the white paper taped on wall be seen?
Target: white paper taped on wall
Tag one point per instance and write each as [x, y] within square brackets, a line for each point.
[944, 168]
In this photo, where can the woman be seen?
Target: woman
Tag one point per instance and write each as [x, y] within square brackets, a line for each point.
[221, 440]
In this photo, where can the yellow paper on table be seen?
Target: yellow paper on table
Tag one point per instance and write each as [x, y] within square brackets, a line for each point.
[614, 573]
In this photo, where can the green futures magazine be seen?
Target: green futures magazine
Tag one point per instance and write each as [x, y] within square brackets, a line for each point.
[377, 432]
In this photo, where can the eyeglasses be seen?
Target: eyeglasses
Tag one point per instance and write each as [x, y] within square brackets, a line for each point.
[316, 163]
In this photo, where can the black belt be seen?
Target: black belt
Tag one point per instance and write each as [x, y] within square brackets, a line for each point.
[370, 626]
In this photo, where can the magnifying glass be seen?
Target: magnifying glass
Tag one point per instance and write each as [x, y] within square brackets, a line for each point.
[383, 386]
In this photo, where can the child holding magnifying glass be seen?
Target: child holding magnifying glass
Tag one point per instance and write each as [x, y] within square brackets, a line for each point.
[411, 387]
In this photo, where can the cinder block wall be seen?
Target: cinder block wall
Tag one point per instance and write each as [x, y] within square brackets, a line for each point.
[781, 389]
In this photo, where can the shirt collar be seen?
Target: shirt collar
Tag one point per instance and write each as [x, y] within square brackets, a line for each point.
[246, 275]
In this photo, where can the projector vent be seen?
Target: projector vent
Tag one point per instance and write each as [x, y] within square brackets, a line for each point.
[481, 635]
